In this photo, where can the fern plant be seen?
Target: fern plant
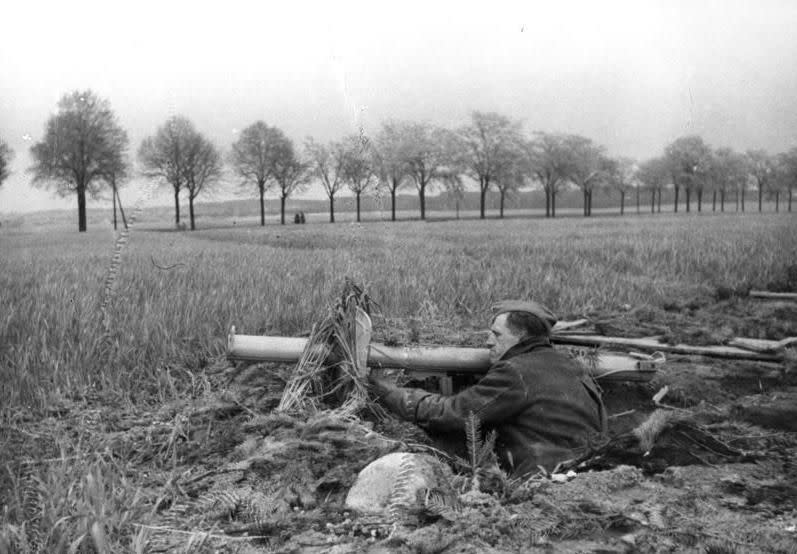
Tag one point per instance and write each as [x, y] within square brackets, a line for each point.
[439, 503]
[481, 452]
[399, 499]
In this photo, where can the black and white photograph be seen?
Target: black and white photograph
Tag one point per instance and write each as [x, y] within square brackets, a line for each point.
[413, 277]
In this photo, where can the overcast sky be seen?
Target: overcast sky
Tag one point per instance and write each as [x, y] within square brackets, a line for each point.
[630, 75]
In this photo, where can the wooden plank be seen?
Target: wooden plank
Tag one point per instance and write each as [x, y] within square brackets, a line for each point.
[773, 295]
[651, 344]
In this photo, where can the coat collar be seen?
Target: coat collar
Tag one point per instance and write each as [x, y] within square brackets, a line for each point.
[526, 345]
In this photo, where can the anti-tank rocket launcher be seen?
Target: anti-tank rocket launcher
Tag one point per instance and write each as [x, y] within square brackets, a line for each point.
[445, 368]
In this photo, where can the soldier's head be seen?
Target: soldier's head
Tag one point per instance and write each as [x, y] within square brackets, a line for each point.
[515, 321]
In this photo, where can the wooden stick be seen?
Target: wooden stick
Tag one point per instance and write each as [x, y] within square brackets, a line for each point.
[773, 295]
[564, 325]
[652, 344]
[760, 345]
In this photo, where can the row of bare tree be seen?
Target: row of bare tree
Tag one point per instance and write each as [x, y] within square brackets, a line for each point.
[85, 148]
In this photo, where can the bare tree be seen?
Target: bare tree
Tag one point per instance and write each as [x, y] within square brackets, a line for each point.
[550, 163]
[727, 171]
[117, 171]
[762, 169]
[164, 156]
[82, 141]
[6, 155]
[621, 176]
[254, 157]
[787, 172]
[358, 172]
[326, 162]
[388, 162]
[202, 168]
[452, 182]
[688, 157]
[424, 151]
[586, 167]
[291, 175]
[489, 140]
[655, 174]
[510, 175]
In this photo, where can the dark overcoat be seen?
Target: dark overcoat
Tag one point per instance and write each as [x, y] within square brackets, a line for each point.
[543, 405]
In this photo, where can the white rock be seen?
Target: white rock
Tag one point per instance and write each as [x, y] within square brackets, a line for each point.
[379, 480]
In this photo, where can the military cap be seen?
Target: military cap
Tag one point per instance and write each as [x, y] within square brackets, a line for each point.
[528, 306]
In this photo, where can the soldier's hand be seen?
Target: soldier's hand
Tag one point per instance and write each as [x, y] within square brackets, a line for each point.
[380, 383]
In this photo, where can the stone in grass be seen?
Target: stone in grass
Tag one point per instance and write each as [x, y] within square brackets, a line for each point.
[395, 479]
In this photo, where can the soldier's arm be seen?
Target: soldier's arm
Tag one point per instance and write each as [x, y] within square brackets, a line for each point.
[498, 395]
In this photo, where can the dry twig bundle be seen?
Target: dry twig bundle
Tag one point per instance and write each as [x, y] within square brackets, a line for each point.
[328, 373]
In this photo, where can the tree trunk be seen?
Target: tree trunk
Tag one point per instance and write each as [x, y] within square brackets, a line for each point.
[653, 201]
[282, 209]
[676, 200]
[688, 199]
[358, 206]
[589, 203]
[262, 189]
[789, 198]
[553, 203]
[722, 200]
[113, 187]
[482, 197]
[777, 200]
[713, 200]
[393, 204]
[81, 209]
[760, 195]
[332, 208]
[503, 193]
[585, 203]
[547, 203]
[699, 201]
[622, 202]
[176, 207]
[742, 199]
[191, 210]
[422, 198]
[658, 206]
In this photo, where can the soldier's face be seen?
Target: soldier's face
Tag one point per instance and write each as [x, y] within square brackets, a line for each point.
[500, 338]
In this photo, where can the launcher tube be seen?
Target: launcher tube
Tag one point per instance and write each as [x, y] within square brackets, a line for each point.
[431, 359]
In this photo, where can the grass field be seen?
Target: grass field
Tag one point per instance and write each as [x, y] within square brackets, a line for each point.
[72, 478]
[277, 279]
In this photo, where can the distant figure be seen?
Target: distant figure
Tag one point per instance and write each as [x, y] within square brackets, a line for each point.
[545, 409]
[298, 218]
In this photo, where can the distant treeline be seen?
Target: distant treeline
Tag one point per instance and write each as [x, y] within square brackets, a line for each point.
[488, 163]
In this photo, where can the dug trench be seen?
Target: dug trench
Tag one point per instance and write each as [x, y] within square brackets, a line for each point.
[703, 461]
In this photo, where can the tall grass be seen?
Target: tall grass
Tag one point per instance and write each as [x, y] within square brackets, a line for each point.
[277, 280]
